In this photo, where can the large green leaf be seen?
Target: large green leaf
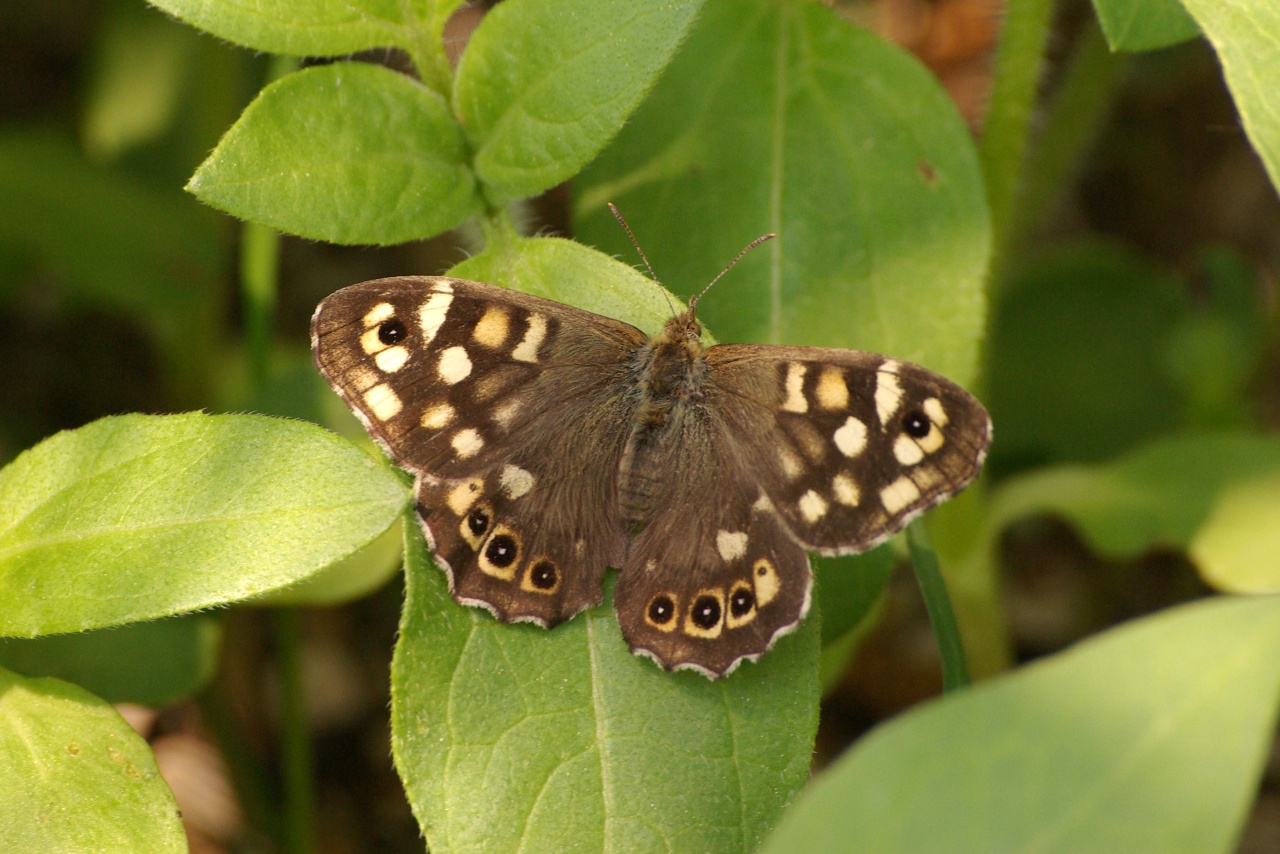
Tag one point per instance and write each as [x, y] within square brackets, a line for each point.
[155, 663]
[1237, 548]
[1246, 36]
[1078, 367]
[1148, 738]
[510, 737]
[783, 117]
[1144, 24]
[136, 517]
[348, 153]
[75, 777]
[542, 87]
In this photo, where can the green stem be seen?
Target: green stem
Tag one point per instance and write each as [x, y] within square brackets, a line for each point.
[1070, 125]
[1014, 88]
[425, 46]
[955, 671]
[259, 263]
[298, 819]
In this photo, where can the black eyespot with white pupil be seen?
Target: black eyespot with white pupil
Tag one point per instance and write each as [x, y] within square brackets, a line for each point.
[661, 609]
[478, 521]
[501, 551]
[916, 424]
[543, 575]
[392, 331]
[741, 601]
[706, 612]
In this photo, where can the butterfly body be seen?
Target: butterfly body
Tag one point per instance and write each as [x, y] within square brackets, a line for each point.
[550, 443]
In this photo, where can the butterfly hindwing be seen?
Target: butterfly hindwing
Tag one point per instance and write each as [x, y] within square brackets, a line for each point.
[713, 578]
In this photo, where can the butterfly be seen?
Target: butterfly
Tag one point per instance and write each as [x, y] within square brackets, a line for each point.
[550, 443]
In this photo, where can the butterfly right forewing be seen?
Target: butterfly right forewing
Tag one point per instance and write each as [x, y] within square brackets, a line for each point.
[848, 446]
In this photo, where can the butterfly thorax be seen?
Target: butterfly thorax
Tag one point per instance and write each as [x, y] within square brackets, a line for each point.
[671, 369]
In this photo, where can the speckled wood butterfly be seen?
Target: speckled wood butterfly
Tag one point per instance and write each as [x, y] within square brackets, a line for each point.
[550, 443]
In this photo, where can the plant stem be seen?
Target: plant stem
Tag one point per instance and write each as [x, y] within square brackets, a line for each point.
[1019, 60]
[955, 671]
[1070, 125]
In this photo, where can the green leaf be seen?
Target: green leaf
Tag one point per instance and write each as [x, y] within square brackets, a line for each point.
[75, 777]
[1144, 24]
[1090, 750]
[577, 275]
[348, 153]
[1156, 497]
[542, 87]
[783, 117]
[1077, 367]
[1237, 548]
[850, 588]
[294, 27]
[137, 517]
[1246, 36]
[511, 737]
[155, 663]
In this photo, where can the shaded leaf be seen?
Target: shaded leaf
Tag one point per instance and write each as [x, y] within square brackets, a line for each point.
[1144, 24]
[783, 117]
[155, 663]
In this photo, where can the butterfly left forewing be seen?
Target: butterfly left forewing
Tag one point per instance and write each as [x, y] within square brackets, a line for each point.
[849, 446]
[481, 393]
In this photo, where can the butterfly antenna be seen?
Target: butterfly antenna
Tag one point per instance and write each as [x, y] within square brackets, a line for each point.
[752, 245]
[636, 243]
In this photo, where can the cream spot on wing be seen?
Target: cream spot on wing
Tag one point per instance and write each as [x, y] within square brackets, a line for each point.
[933, 408]
[516, 482]
[845, 490]
[454, 365]
[926, 478]
[379, 313]
[382, 402]
[505, 412]
[432, 314]
[812, 506]
[766, 581]
[731, 544]
[527, 349]
[439, 416]
[791, 466]
[795, 401]
[462, 496]
[391, 359]
[851, 437]
[370, 342]
[899, 494]
[907, 450]
[888, 391]
[491, 331]
[467, 443]
[764, 505]
[933, 441]
[832, 391]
